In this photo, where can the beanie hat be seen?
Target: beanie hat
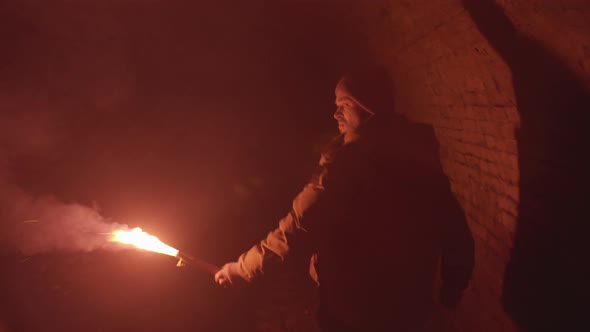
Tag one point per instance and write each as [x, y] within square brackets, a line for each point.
[370, 88]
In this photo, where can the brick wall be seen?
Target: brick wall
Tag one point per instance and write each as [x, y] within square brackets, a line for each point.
[449, 75]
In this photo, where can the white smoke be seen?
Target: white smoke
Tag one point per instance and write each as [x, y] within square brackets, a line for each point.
[32, 224]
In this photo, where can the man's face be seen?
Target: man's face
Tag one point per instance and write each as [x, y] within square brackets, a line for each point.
[348, 114]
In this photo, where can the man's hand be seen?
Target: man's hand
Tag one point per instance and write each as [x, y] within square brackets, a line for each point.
[229, 274]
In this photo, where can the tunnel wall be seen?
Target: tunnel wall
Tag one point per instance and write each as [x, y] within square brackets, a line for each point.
[448, 74]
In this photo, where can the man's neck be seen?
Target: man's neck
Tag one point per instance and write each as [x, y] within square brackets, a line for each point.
[350, 137]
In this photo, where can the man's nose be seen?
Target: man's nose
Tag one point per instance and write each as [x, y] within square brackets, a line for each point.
[338, 113]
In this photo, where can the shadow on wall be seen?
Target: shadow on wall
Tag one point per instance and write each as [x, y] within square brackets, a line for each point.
[547, 273]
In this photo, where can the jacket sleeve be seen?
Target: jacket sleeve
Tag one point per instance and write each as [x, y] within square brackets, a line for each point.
[277, 244]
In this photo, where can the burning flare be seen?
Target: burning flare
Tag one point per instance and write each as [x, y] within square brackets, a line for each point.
[143, 240]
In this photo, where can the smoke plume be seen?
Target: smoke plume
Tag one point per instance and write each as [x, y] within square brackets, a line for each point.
[32, 224]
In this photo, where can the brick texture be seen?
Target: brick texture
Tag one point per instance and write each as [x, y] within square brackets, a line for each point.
[448, 75]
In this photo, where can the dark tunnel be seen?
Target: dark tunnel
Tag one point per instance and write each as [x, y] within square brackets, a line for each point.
[200, 121]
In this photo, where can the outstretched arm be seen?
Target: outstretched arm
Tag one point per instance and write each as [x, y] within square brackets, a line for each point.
[332, 186]
[278, 243]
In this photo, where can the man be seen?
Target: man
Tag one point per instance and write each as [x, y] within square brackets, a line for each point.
[380, 215]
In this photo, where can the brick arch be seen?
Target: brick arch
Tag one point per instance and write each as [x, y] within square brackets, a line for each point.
[448, 74]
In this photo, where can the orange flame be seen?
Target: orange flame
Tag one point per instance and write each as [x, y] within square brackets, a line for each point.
[143, 240]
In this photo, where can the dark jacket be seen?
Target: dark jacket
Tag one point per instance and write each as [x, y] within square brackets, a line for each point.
[380, 214]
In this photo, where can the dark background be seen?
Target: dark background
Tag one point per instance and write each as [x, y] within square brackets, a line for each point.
[197, 121]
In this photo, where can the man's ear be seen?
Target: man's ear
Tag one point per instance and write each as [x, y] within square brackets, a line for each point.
[365, 116]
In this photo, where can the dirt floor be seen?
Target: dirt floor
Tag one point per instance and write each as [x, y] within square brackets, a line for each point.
[136, 291]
